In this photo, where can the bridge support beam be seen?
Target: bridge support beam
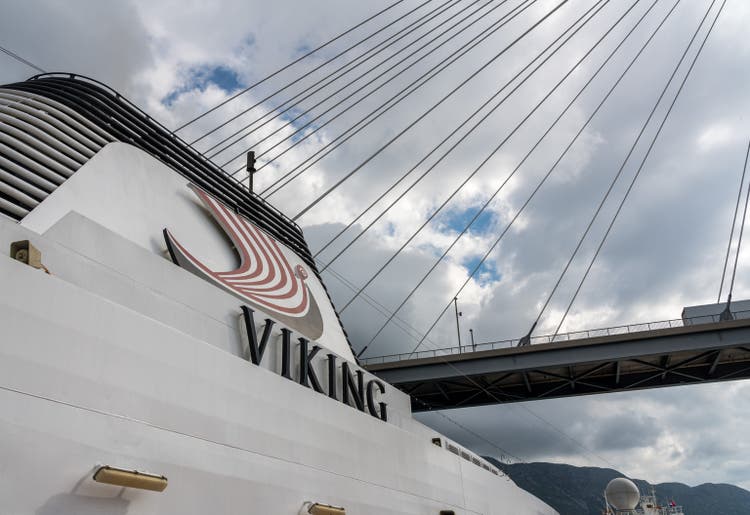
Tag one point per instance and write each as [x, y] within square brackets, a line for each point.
[649, 359]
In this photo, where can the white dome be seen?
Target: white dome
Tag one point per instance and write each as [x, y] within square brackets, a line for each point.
[622, 494]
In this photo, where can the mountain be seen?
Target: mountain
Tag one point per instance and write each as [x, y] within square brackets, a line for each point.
[579, 490]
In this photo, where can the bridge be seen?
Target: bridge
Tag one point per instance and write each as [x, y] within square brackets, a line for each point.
[624, 358]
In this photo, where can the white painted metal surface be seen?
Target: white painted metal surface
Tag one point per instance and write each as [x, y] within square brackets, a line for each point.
[120, 357]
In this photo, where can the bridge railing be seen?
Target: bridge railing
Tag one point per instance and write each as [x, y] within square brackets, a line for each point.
[554, 338]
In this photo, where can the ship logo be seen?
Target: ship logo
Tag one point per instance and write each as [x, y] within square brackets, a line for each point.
[264, 278]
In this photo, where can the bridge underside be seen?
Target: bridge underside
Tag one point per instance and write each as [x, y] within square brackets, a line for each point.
[649, 359]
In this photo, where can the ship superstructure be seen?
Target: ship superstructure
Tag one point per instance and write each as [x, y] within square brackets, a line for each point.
[650, 505]
[622, 497]
[169, 346]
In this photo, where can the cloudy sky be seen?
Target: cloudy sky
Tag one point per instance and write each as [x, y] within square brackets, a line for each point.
[665, 251]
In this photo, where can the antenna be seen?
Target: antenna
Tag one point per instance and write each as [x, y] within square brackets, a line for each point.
[250, 169]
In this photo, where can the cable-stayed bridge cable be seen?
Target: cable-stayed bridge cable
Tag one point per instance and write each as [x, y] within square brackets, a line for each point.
[408, 329]
[492, 247]
[363, 97]
[286, 67]
[384, 108]
[520, 164]
[731, 231]
[651, 146]
[307, 74]
[430, 110]
[586, 451]
[742, 229]
[318, 86]
[20, 59]
[452, 133]
[312, 90]
[489, 157]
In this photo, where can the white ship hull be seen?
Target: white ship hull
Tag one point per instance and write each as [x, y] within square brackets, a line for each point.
[118, 357]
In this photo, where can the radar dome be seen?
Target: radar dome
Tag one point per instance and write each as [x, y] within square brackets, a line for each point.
[622, 494]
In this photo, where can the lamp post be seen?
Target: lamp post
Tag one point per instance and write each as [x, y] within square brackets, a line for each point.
[473, 345]
[458, 327]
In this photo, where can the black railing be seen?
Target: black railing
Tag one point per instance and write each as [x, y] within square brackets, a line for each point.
[127, 123]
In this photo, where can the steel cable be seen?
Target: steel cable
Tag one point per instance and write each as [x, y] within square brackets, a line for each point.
[651, 146]
[287, 66]
[318, 86]
[21, 59]
[486, 255]
[287, 86]
[411, 331]
[406, 92]
[363, 97]
[742, 229]
[520, 164]
[453, 146]
[426, 113]
[731, 232]
[487, 159]
[305, 94]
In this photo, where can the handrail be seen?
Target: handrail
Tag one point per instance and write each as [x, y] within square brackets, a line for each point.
[563, 337]
[171, 133]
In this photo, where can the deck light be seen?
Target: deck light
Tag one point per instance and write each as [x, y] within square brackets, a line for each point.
[26, 253]
[325, 509]
[130, 478]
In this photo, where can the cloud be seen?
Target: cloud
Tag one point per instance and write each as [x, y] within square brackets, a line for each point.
[178, 59]
[103, 41]
[200, 78]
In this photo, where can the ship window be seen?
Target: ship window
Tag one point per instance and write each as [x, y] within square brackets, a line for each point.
[436, 441]
[447, 512]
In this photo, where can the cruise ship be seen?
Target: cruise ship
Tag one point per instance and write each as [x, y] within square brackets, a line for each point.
[169, 346]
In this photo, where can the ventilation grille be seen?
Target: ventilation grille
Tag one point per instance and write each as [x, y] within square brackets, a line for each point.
[42, 143]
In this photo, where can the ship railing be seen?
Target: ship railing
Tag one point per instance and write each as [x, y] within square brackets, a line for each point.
[146, 116]
[467, 455]
[554, 338]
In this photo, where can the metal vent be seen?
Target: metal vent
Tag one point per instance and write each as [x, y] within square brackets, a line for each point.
[42, 143]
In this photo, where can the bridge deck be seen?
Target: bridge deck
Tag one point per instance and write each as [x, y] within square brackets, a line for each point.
[718, 351]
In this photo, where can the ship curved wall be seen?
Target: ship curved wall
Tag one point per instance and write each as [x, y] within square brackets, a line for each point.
[53, 124]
